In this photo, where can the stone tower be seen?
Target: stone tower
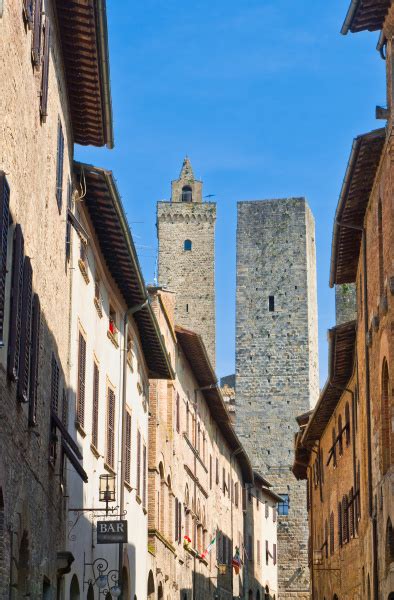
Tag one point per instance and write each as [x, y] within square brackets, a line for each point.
[186, 235]
[277, 360]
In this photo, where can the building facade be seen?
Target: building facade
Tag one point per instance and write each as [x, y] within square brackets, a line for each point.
[197, 473]
[186, 236]
[42, 119]
[345, 446]
[115, 347]
[276, 359]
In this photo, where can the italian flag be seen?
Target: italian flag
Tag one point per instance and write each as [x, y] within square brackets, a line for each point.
[209, 547]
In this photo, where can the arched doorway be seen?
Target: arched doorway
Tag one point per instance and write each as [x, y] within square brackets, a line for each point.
[151, 586]
[250, 595]
[23, 566]
[258, 595]
[90, 595]
[74, 588]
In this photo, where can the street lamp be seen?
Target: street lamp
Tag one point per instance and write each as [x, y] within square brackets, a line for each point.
[107, 489]
[106, 581]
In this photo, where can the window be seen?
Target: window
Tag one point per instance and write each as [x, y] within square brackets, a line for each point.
[381, 254]
[274, 514]
[80, 416]
[217, 471]
[34, 359]
[59, 166]
[210, 471]
[187, 195]
[271, 303]
[55, 376]
[68, 222]
[28, 12]
[347, 424]
[4, 226]
[224, 481]
[110, 449]
[187, 245]
[144, 466]
[274, 553]
[267, 510]
[45, 71]
[283, 506]
[332, 534]
[267, 552]
[138, 486]
[258, 552]
[36, 47]
[333, 454]
[345, 520]
[15, 321]
[351, 513]
[385, 423]
[95, 412]
[127, 449]
[187, 420]
[112, 321]
[130, 347]
[340, 532]
[340, 434]
[177, 415]
[25, 340]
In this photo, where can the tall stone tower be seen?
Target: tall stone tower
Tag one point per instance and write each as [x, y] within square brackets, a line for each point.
[186, 234]
[277, 360]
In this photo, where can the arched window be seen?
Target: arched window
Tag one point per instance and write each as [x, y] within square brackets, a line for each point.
[160, 594]
[386, 435]
[74, 588]
[340, 435]
[90, 595]
[151, 586]
[389, 544]
[162, 495]
[267, 593]
[347, 424]
[258, 595]
[187, 195]
[187, 245]
[23, 566]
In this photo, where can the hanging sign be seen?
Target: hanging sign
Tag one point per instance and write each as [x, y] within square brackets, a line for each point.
[111, 532]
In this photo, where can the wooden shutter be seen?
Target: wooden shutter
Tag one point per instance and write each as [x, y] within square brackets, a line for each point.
[59, 166]
[340, 540]
[351, 513]
[55, 374]
[217, 471]
[95, 415]
[16, 305]
[35, 348]
[65, 409]
[347, 424]
[81, 380]
[267, 552]
[244, 499]
[4, 225]
[144, 477]
[177, 414]
[138, 486]
[127, 449]
[345, 520]
[258, 552]
[45, 71]
[176, 520]
[180, 521]
[24, 359]
[274, 553]
[236, 493]
[68, 220]
[332, 534]
[210, 471]
[110, 458]
[37, 25]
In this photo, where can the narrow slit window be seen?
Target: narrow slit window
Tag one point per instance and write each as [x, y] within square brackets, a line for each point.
[271, 303]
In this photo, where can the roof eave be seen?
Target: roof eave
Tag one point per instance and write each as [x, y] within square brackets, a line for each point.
[105, 72]
[349, 17]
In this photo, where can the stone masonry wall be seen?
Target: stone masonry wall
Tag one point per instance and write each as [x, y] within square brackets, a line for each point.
[276, 359]
[189, 273]
[345, 303]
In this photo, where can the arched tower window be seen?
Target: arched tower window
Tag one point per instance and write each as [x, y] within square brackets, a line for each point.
[187, 194]
[187, 245]
[386, 435]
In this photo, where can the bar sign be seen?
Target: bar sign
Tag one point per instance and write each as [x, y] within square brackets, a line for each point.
[112, 532]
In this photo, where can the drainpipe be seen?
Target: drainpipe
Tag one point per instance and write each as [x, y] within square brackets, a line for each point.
[368, 410]
[129, 312]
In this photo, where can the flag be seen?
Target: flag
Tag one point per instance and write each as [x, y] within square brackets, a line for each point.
[236, 562]
[209, 547]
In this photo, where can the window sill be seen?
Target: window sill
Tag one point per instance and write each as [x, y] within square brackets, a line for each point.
[99, 309]
[108, 468]
[113, 339]
[94, 451]
[84, 271]
[80, 429]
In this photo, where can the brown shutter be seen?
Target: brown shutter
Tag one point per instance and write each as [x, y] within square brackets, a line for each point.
[177, 414]
[351, 513]
[176, 520]
[95, 415]
[81, 380]
[127, 449]
[332, 534]
[36, 47]
[35, 348]
[267, 552]
[111, 428]
[244, 499]
[16, 305]
[144, 477]
[138, 486]
[180, 521]
[59, 166]
[65, 409]
[24, 359]
[45, 71]
[68, 221]
[340, 540]
[345, 517]
[55, 374]
[4, 225]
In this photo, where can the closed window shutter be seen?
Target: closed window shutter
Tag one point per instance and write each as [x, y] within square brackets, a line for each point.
[59, 166]
[258, 552]
[340, 540]
[244, 499]
[45, 71]
[274, 553]
[144, 477]
[138, 486]
[81, 380]
[177, 414]
[180, 521]
[16, 305]
[24, 360]
[35, 348]
[65, 409]
[95, 415]
[236, 492]
[110, 459]
[345, 517]
[128, 449]
[36, 47]
[332, 534]
[351, 513]
[176, 520]
[267, 552]
[4, 225]
[68, 221]
[55, 373]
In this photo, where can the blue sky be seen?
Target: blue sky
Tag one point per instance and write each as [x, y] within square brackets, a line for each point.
[264, 96]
